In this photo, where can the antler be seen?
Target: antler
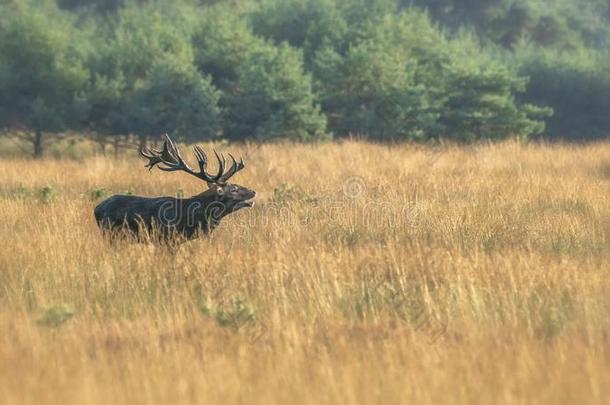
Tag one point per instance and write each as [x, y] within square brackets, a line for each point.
[171, 160]
[235, 167]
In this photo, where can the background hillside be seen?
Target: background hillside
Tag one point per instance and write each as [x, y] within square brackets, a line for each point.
[121, 72]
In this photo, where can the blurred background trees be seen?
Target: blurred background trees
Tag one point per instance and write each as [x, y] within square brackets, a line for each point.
[42, 72]
[304, 69]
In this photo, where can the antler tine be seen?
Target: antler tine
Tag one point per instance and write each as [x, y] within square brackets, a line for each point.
[170, 159]
[224, 162]
[232, 170]
[201, 156]
[199, 153]
[221, 166]
[169, 156]
[241, 164]
[171, 151]
[153, 156]
[235, 167]
[145, 152]
[202, 159]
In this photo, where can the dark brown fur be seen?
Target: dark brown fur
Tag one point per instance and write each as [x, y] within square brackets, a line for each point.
[170, 217]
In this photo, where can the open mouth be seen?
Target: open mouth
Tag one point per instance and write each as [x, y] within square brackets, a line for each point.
[245, 204]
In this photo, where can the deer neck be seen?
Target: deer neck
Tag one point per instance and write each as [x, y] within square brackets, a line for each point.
[208, 210]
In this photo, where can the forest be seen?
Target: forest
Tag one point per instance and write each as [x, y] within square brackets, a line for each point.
[305, 70]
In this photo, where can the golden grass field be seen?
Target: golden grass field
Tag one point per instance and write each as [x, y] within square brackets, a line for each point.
[365, 274]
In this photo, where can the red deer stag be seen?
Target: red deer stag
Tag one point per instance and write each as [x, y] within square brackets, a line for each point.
[168, 217]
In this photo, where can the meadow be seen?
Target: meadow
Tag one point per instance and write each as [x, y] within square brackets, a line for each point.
[364, 274]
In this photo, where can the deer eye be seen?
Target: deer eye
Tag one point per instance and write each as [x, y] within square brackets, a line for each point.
[220, 191]
[234, 189]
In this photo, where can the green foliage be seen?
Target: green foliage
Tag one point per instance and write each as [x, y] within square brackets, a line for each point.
[274, 98]
[304, 69]
[372, 87]
[222, 43]
[235, 314]
[480, 104]
[266, 91]
[576, 85]
[177, 100]
[55, 316]
[100, 6]
[42, 72]
[22, 192]
[564, 24]
[145, 34]
[145, 81]
[309, 25]
[47, 194]
[98, 193]
[404, 80]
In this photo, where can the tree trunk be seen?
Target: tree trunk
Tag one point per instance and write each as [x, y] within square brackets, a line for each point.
[116, 145]
[142, 141]
[37, 144]
[101, 141]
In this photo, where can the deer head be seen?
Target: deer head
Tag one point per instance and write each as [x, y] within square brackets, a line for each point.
[231, 196]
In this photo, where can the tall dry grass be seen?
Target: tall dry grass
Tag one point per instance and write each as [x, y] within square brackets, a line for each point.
[365, 274]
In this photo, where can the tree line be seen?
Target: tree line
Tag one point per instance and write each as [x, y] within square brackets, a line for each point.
[303, 69]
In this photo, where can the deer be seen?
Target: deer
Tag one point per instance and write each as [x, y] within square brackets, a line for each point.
[173, 218]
